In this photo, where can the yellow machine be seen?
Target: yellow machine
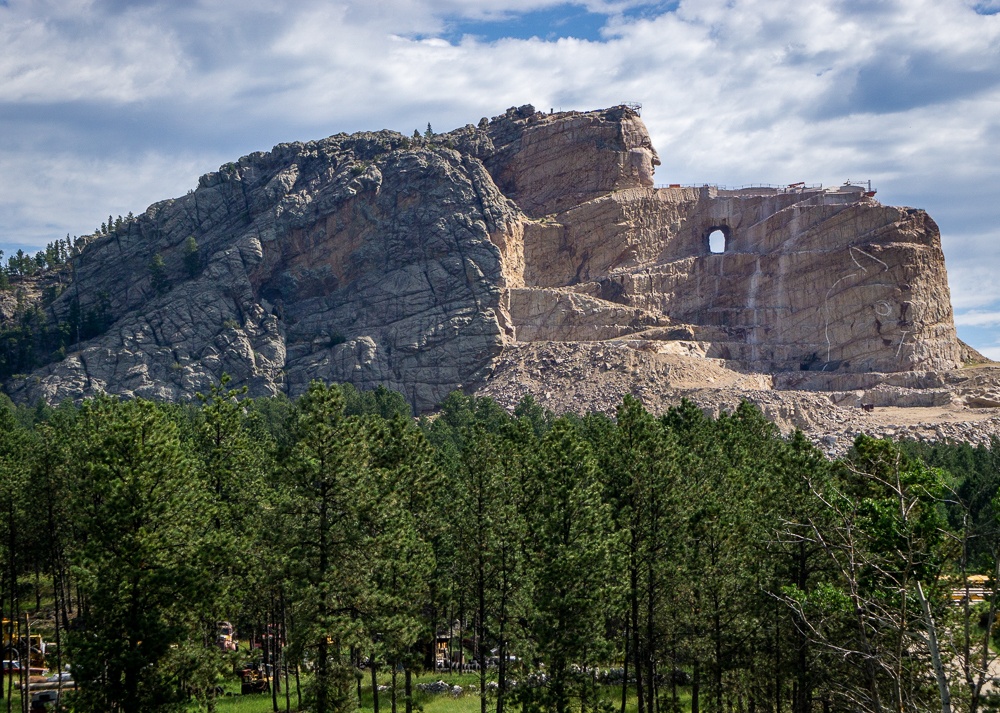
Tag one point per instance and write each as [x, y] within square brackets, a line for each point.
[255, 678]
[14, 642]
[225, 637]
[36, 651]
[10, 631]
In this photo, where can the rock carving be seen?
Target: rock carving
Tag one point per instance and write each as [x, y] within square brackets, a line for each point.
[454, 261]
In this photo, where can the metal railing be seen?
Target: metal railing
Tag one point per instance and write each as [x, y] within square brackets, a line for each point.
[775, 187]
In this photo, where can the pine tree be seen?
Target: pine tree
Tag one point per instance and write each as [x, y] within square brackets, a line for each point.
[489, 535]
[141, 564]
[16, 451]
[230, 465]
[329, 502]
[192, 258]
[569, 554]
[158, 274]
[641, 472]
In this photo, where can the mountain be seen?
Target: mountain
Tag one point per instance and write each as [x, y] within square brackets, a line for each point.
[480, 258]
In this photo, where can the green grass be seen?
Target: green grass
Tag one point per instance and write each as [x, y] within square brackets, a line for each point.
[15, 698]
[613, 695]
[425, 702]
[428, 703]
[447, 704]
[250, 703]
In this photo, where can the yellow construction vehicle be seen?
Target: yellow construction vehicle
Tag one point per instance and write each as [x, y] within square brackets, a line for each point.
[255, 678]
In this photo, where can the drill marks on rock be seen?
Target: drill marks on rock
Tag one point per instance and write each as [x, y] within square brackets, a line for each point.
[862, 270]
[854, 249]
[902, 342]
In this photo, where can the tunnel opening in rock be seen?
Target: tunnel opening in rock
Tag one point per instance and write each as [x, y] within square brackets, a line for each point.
[718, 240]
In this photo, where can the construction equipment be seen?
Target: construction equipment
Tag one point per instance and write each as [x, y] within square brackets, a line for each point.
[224, 636]
[44, 692]
[29, 650]
[9, 630]
[255, 678]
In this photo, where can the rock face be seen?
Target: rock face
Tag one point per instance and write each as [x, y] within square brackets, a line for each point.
[809, 279]
[427, 265]
[549, 163]
[361, 259]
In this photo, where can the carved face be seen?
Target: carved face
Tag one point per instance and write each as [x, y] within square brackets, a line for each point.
[642, 157]
[641, 161]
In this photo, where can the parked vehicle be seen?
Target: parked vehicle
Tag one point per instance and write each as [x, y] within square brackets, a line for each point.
[45, 694]
[225, 638]
[255, 678]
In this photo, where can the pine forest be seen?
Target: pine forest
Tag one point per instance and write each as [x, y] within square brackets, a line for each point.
[332, 553]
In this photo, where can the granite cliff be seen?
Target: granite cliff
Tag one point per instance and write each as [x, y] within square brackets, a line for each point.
[467, 260]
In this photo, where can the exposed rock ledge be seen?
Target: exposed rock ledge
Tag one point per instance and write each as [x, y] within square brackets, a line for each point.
[959, 405]
[465, 260]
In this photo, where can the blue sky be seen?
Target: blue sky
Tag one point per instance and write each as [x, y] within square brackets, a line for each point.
[107, 106]
[548, 23]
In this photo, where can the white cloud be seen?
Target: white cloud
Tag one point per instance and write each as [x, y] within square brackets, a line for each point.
[56, 193]
[978, 319]
[57, 52]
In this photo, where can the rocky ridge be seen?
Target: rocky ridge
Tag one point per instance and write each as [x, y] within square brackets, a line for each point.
[531, 253]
